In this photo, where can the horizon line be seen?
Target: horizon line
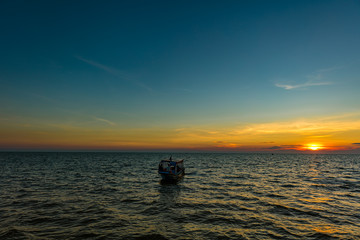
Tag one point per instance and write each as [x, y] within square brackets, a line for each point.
[350, 151]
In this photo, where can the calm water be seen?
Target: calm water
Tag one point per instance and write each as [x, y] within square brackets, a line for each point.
[223, 196]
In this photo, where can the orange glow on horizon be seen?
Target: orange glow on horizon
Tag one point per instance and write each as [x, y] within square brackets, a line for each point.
[332, 134]
[314, 147]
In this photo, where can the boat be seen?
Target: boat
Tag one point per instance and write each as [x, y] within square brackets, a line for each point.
[171, 170]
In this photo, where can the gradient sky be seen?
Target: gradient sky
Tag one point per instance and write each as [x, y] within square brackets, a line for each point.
[180, 75]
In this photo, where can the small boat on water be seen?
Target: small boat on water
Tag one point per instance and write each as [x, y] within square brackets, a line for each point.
[171, 170]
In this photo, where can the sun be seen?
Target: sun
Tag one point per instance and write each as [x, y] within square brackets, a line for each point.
[313, 147]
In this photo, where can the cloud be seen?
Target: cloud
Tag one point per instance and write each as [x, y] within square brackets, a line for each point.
[105, 121]
[115, 72]
[44, 98]
[182, 90]
[275, 147]
[101, 66]
[315, 79]
[285, 147]
[304, 85]
[287, 135]
[356, 143]
[291, 146]
[303, 126]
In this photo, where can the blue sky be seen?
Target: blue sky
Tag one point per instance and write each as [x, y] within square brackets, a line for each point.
[175, 64]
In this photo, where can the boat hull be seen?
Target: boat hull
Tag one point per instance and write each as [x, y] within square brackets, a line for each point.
[166, 176]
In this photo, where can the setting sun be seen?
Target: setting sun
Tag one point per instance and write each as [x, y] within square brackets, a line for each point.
[313, 147]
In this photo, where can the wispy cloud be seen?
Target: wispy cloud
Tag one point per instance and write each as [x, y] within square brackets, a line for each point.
[105, 121]
[44, 98]
[182, 90]
[288, 135]
[316, 79]
[303, 127]
[115, 72]
[103, 67]
[285, 147]
[275, 147]
[303, 85]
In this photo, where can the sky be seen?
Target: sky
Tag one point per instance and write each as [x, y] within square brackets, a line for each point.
[263, 76]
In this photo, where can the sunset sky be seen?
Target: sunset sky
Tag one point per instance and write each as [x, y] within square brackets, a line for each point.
[281, 76]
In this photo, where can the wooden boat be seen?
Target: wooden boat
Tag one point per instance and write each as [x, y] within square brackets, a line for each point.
[171, 170]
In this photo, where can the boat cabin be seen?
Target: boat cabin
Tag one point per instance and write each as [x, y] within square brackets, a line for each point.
[171, 169]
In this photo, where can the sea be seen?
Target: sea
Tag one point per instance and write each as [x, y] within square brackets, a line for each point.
[73, 195]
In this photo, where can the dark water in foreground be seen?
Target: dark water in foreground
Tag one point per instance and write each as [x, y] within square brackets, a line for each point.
[223, 196]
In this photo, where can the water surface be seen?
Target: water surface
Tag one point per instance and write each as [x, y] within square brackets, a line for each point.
[222, 196]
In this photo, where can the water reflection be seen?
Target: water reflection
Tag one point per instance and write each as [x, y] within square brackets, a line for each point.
[169, 192]
[169, 210]
[171, 181]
